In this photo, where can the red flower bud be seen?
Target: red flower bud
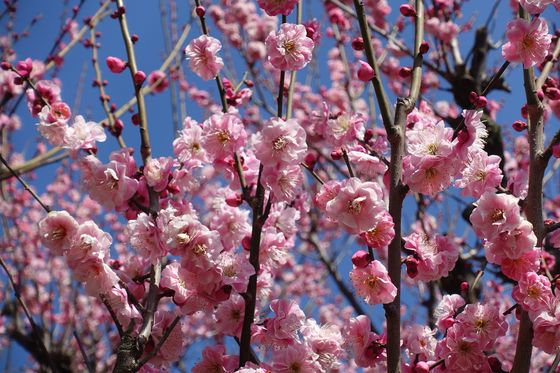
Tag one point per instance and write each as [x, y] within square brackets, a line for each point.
[405, 72]
[365, 72]
[556, 150]
[358, 44]
[424, 47]
[336, 154]
[422, 367]
[361, 259]
[407, 10]
[552, 93]
[481, 102]
[200, 11]
[519, 126]
[139, 77]
[234, 200]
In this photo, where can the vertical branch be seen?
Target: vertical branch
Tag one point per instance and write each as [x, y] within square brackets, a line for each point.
[382, 99]
[397, 193]
[293, 74]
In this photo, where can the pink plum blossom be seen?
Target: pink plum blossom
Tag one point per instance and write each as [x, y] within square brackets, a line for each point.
[483, 322]
[356, 205]
[284, 182]
[215, 360]
[436, 256]
[83, 135]
[482, 174]
[281, 143]
[157, 172]
[446, 311]
[295, 358]
[174, 277]
[57, 231]
[276, 7]
[527, 42]
[533, 292]
[202, 54]
[546, 327]
[289, 48]
[495, 213]
[224, 134]
[511, 244]
[380, 235]
[373, 283]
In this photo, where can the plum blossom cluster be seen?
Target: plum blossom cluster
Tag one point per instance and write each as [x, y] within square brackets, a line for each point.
[85, 247]
[435, 159]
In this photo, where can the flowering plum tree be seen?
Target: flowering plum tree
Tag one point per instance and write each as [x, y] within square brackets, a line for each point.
[350, 203]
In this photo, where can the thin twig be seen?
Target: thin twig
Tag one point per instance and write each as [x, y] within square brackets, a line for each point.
[87, 361]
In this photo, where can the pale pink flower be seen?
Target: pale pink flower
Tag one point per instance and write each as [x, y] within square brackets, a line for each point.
[284, 182]
[366, 164]
[118, 300]
[326, 341]
[495, 213]
[281, 143]
[202, 54]
[516, 268]
[419, 339]
[527, 42]
[382, 233]
[158, 81]
[357, 205]
[511, 244]
[289, 48]
[289, 318]
[232, 224]
[436, 256]
[110, 184]
[373, 283]
[188, 148]
[345, 128]
[484, 322]
[57, 231]
[224, 134]
[533, 292]
[174, 277]
[83, 135]
[276, 7]
[229, 316]
[546, 327]
[535, 6]
[51, 128]
[145, 236]
[90, 241]
[481, 174]
[327, 193]
[446, 310]
[295, 358]
[157, 172]
[172, 348]
[98, 276]
[236, 270]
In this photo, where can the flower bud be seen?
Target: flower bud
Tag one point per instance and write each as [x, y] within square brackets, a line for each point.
[519, 126]
[200, 11]
[553, 93]
[358, 44]
[405, 72]
[234, 200]
[365, 72]
[421, 367]
[481, 102]
[407, 10]
[336, 155]
[116, 65]
[424, 47]
[361, 259]
[139, 77]
[5, 65]
[556, 150]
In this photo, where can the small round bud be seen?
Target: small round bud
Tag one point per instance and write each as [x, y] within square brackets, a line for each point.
[361, 259]
[139, 77]
[407, 10]
[556, 151]
[424, 47]
[200, 11]
[358, 44]
[519, 126]
[134, 38]
[405, 72]
[336, 155]
[5, 65]
[115, 64]
[135, 119]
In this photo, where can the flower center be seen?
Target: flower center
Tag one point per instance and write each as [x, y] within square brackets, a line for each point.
[533, 292]
[199, 249]
[497, 215]
[431, 173]
[58, 234]
[480, 175]
[432, 149]
[183, 238]
[279, 143]
[355, 206]
[223, 137]
[371, 282]
[289, 46]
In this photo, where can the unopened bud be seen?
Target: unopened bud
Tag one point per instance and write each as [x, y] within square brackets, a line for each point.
[407, 10]
[358, 44]
[519, 126]
[365, 72]
[200, 11]
[361, 259]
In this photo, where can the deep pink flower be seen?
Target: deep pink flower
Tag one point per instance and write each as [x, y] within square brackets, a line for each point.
[229, 316]
[527, 42]
[535, 6]
[174, 277]
[57, 231]
[546, 327]
[462, 352]
[511, 244]
[516, 268]
[533, 292]
[484, 323]
[382, 233]
[373, 283]
[366, 345]
[172, 348]
[295, 358]
[276, 7]
[158, 81]
[202, 54]
[327, 193]
[357, 205]
[365, 71]
[145, 236]
[289, 48]
[288, 320]
[215, 360]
